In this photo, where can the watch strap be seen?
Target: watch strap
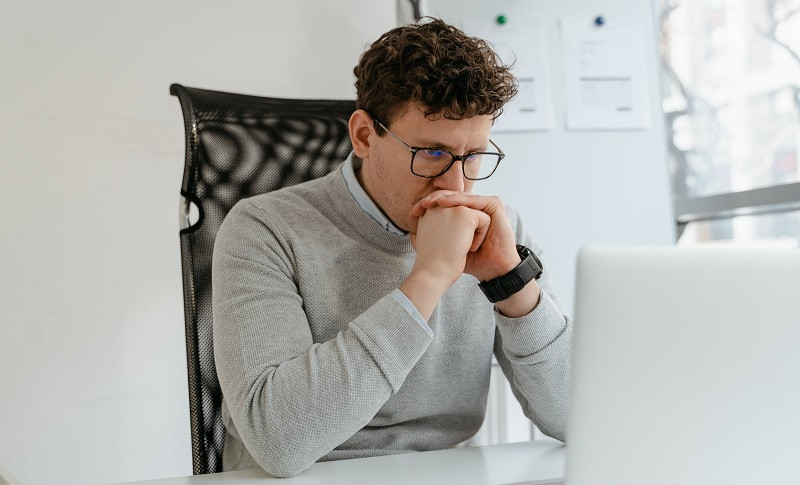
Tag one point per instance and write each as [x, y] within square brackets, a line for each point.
[502, 287]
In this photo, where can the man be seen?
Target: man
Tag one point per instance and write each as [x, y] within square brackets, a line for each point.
[348, 320]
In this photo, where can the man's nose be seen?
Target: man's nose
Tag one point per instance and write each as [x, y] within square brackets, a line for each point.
[453, 179]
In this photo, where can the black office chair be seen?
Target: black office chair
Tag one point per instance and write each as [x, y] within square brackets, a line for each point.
[237, 146]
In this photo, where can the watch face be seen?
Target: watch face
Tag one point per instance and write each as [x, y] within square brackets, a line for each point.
[535, 262]
[539, 268]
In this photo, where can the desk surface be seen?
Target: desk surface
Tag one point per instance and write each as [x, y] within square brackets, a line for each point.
[494, 464]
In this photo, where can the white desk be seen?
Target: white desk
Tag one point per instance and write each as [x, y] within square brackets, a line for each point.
[495, 464]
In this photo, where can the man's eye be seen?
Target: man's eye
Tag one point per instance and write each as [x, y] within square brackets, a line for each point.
[434, 153]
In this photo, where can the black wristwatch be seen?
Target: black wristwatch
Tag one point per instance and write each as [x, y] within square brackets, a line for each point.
[502, 287]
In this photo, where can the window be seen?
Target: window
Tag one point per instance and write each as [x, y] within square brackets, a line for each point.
[732, 104]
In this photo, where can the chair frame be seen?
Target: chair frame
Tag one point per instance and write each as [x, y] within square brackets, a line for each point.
[198, 105]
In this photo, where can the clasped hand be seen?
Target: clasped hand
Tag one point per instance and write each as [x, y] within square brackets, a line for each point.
[458, 232]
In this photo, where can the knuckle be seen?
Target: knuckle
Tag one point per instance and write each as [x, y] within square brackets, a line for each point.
[462, 211]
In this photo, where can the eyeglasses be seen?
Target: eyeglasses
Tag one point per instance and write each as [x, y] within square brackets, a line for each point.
[431, 162]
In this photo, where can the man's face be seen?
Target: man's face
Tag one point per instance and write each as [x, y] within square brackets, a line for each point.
[386, 171]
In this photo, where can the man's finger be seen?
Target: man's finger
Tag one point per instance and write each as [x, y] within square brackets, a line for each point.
[428, 202]
[483, 203]
[413, 224]
[417, 210]
[484, 221]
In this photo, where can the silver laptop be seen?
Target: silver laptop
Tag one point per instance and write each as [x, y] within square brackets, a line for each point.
[686, 367]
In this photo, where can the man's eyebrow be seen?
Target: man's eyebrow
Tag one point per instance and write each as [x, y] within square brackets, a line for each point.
[435, 144]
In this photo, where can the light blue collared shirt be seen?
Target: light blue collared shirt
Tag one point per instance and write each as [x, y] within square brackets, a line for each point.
[349, 168]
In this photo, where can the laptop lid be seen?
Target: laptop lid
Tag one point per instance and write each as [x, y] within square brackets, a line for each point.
[686, 367]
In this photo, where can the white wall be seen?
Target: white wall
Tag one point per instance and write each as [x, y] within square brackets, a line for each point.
[92, 370]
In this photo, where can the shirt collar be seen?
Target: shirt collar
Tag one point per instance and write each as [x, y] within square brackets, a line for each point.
[349, 169]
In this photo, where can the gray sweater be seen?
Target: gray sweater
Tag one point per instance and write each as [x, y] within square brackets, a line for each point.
[319, 361]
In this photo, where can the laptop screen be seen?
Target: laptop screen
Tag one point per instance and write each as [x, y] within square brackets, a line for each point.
[686, 367]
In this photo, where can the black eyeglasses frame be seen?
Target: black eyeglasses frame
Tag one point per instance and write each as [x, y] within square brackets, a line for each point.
[453, 157]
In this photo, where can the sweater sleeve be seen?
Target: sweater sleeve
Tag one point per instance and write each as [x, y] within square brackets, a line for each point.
[534, 353]
[293, 400]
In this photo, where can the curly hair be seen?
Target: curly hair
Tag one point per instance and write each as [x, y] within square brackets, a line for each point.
[437, 65]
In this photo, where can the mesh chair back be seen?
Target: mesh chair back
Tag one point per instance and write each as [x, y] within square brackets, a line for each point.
[238, 146]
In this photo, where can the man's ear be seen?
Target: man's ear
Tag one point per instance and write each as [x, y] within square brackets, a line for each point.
[360, 130]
